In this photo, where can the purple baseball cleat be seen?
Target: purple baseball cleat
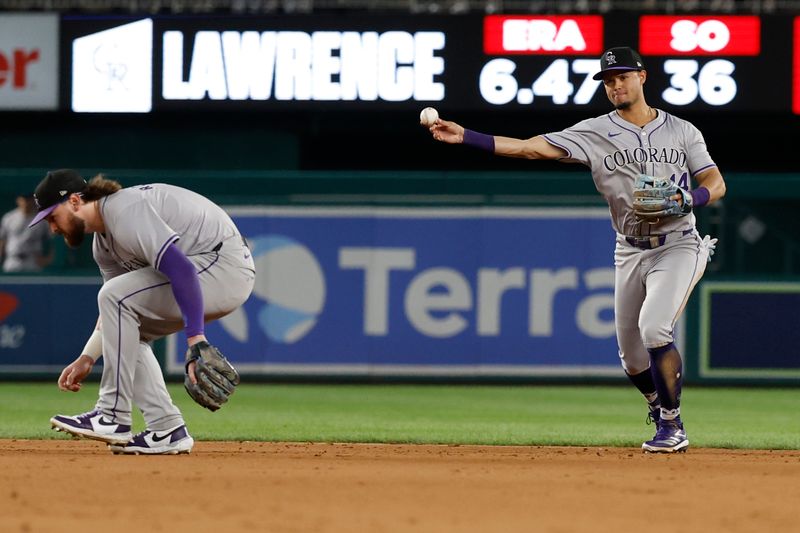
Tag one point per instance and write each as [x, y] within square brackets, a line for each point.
[670, 438]
[93, 425]
[170, 442]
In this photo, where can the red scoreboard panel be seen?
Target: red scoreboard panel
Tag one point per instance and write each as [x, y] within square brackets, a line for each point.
[552, 35]
[700, 36]
[796, 68]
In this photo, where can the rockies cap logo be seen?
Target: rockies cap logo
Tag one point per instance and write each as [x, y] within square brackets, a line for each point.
[610, 59]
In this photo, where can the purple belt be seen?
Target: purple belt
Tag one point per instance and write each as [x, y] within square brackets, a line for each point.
[654, 241]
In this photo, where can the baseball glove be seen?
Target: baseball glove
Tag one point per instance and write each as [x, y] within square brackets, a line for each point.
[652, 199]
[216, 377]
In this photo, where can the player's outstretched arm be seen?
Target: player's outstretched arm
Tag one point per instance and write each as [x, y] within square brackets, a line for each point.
[533, 148]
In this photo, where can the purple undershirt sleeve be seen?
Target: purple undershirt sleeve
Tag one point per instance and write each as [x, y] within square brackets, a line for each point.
[186, 288]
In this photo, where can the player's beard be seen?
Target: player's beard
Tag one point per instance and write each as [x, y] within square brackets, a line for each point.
[622, 106]
[75, 231]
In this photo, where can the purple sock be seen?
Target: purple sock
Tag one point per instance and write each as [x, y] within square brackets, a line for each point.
[644, 382]
[666, 367]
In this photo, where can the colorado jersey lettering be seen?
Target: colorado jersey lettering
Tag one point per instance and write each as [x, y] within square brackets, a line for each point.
[617, 151]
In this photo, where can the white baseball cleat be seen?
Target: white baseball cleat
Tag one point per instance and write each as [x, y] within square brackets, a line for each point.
[93, 425]
[170, 442]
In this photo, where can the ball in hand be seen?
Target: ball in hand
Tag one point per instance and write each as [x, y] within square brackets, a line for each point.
[428, 116]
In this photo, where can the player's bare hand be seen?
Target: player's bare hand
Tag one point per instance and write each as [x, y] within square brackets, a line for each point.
[190, 367]
[190, 372]
[74, 374]
[446, 131]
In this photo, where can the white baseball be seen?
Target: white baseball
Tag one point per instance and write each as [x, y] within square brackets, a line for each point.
[428, 116]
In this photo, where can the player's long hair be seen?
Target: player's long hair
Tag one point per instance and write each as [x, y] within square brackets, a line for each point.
[99, 187]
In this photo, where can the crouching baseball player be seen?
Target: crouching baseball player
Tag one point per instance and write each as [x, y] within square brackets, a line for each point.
[170, 259]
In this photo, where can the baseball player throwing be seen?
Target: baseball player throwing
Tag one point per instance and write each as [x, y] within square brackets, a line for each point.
[641, 161]
[170, 259]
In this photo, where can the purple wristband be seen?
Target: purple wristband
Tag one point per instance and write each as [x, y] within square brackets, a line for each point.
[479, 140]
[700, 196]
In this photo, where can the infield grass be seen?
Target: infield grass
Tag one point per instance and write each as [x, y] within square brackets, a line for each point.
[755, 418]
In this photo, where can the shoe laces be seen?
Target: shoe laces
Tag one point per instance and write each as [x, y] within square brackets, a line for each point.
[653, 417]
[86, 416]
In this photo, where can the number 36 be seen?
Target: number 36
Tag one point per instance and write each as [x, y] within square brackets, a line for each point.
[714, 84]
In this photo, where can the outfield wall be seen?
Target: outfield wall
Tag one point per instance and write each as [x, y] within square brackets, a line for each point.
[426, 293]
[485, 276]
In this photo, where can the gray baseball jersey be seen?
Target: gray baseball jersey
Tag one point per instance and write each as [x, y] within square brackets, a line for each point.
[22, 246]
[652, 283]
[142, 221]
[136, 302]
[617, 152]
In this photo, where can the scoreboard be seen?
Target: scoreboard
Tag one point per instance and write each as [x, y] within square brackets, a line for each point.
[693, 61]
[480, 63]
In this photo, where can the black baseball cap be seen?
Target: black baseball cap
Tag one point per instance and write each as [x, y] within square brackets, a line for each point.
[619, 59]
[54, 189]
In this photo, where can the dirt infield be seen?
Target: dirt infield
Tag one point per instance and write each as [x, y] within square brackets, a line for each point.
[66, 485]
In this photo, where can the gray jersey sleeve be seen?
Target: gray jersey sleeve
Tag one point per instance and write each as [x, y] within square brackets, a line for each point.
[575, 140]
[698, 158]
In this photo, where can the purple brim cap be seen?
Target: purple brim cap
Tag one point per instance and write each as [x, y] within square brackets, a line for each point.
[599, 75]
[41, 215]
